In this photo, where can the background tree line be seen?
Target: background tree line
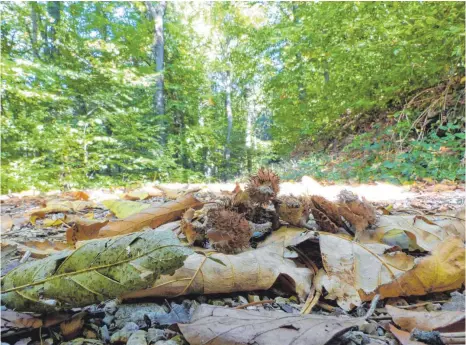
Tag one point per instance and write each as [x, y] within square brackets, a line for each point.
[99, 93]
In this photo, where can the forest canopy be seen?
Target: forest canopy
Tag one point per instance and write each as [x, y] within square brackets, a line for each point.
[101, 93]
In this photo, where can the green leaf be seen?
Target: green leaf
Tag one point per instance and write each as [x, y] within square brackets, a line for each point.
[99, 270]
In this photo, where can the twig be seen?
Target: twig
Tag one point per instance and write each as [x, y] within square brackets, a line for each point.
[452, 340]
[255, 303]
[371, 310]
[418, 304]
[326, 306]
[453, 335]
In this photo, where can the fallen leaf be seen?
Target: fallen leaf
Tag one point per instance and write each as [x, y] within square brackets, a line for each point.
[78, 195]
[83, 228]
[61, 206]
[7, 223]
[153, 217]
[443, 321]
[72, 328]
[13, 319]
[443, 270]
[97, 271]
[136, 195]
[248, 271]
[222, 326]
[403, 337]
[124, 208]
[53, 222]
[426, 232]
[38, 249]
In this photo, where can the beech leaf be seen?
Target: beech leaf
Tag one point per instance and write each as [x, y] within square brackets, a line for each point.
[153, 217]
[222, 326]
[99, 270]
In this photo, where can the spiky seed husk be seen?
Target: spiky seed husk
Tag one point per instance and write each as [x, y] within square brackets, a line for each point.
[328, 208]
[264, 186]
[227, 231]
[324, 222]
[291, 210]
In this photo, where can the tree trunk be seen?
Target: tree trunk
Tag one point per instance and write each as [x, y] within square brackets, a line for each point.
[249, 131]
[229, 113]
[53, 10]
[34, 29]
[157, 11]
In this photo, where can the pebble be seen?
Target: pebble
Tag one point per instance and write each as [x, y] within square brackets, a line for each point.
[104, 334]
[242, 300]
[282, 300]
[108, 319]
[111, 307]
[217, 302]
[123, 335]
[137, 338]
[380, 331]
[229, 302]
[154, 335]
[253, 298]
[369, 328]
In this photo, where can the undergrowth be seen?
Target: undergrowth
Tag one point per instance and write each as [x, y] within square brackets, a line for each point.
[423, 139]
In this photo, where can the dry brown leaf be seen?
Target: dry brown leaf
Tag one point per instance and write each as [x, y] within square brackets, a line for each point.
[13, 319]
[83, 228]
[170, 193]
[72, 328]
[7, 223]
[77, 195]
[248, 271]
[424, 232]
[152, 217]
[403, 337]
[38, 249]
[441, 271]
[443, 321]
[61, 206]
[222, 326]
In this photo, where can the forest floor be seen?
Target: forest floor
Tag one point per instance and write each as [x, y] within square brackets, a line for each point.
[28, 236]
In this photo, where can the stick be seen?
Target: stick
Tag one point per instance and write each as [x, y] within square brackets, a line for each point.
[371, 310]
[255, 303]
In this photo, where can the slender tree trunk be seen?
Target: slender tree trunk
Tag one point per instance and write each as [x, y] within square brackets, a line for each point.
[157, 11]
[53, 9]
[229, 113]
[249, 130]
[34, 29]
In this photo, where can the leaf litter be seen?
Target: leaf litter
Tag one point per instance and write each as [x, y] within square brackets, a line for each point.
[79, 250]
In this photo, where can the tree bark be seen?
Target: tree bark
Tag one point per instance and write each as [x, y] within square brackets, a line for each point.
[53, 10]
[34, 29]
[229, 113]
[157, 11]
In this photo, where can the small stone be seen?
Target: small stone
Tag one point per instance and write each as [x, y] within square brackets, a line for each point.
[369, 328]
[104, 334]
[282, 300]
[131, 326]
[242, 300]
[111, 307]
[228, 301]
[380, 331]
[123, 335]
[48, 341]
[108, 320]
[137, 338]
[154, 335]
[253, 298]
[217, 302]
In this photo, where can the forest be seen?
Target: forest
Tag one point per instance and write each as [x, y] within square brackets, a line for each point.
[113, 93]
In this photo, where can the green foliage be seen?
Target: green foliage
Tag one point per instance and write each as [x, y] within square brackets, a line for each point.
[78, 86]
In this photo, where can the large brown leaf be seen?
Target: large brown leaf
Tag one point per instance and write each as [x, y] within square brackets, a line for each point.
[152, 217]
[221, 326]
[220, 273]
[444, 321]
